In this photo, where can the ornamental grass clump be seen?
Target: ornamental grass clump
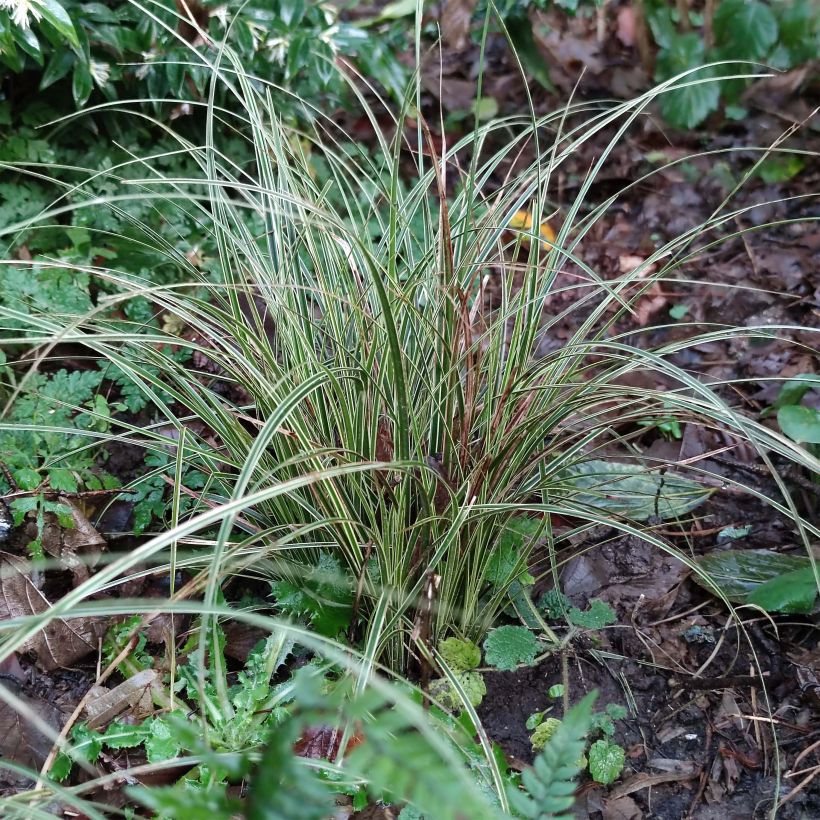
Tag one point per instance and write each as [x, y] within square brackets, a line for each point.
[353, 402]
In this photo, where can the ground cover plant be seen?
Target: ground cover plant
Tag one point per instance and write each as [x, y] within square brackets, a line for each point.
[367, 447]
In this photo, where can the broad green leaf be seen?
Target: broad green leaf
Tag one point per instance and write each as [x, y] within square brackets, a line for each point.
[738, 573]
[744, 29]
[606, 761]
[485, 108]
[688, 106]
[793, 390]
[793, 592]
[58, 17]
[162, 743]
[64, 480]
[631, 491]
[27, 40]
[800, 423]
[507, 646]
[81, 84]
[121, 735]
[520, 31]
[291, 12]
[505, 557]
[780, 168]
[26, 479]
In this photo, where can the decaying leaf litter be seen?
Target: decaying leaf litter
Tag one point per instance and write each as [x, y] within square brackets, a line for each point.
[704, 694]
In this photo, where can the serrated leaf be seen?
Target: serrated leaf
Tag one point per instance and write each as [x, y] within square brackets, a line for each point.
[472, 683]
[63, 480]
[460, 655]
[507, 646]
[632, 491]
[606, 761]
[599, 615]
[162, 743]
[799, 423]
[26, 479]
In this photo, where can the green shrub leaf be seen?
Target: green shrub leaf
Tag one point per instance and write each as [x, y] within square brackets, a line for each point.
[800, 423]
[791, 593]
[688, 106]
[507, 646]
[745, 29]
[606, 761]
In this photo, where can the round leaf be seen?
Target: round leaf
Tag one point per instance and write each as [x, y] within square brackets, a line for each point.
[507, 646]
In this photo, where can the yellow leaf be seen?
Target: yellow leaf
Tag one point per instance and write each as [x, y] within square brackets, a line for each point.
[522, 221]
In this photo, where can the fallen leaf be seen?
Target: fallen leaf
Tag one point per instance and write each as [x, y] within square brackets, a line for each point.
[523, 221]
[133, 694]
[20, 742]
[61, 642]
[456, 17]
[622, 808]
[322, 743]
[626, 26]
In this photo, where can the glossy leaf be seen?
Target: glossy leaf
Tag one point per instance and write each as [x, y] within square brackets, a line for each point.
[82, 83]
[738, 573]
[632, 491]
[58, 66]
[800, 423]
[58, 17]
[791, 593]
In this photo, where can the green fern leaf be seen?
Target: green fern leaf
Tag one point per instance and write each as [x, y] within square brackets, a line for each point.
[548, 785]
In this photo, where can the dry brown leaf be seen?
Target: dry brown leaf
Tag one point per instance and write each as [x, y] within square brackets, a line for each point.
[62, 642]
[622, 808]
[20, 742]
[133, 694]
[455, 23]
[626, 26]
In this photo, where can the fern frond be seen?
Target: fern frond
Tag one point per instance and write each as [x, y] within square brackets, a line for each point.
[549, 785]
